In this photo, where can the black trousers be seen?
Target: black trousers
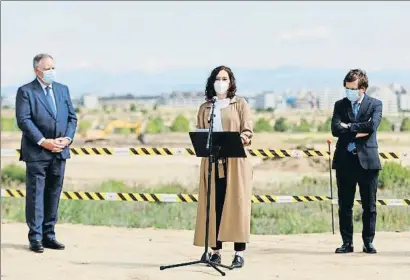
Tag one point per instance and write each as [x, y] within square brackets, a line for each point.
[220, 192]
[347, 178]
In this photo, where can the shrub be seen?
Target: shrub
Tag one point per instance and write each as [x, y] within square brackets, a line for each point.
[8, 124]
[394, 174]
[405, 125]
[262, 125]
[155, 125]
[180, 124]
[13, 173]
[385, 125]
[83, 126]
[133, 108]
[326, 126]
[280, 125]
[304, 126]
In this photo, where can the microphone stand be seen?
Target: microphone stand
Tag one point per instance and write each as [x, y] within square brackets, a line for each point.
[213, 158]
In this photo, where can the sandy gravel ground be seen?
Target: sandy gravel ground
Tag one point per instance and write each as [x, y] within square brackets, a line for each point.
[136, 254]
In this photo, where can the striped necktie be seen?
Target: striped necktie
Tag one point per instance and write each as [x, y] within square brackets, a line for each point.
[50, 101]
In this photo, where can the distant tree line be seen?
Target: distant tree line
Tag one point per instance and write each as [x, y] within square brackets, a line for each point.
[183, 124]
[282, 125]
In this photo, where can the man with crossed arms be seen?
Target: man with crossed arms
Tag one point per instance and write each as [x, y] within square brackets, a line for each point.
[355, 121]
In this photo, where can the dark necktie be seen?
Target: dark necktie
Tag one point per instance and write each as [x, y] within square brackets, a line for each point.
[50, 101]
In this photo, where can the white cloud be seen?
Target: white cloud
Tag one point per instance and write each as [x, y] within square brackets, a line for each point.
[300, 34]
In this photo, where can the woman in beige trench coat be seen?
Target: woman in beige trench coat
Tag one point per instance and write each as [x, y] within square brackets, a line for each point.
[230, 207]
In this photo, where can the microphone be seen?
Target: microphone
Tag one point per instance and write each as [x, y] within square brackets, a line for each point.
[214, 99]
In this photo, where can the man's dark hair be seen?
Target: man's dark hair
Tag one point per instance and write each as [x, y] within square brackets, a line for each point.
[210, 91]
[357, 74]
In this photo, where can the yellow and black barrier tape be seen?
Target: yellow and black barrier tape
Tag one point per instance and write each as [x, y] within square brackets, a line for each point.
[146, 151]
[191, 198]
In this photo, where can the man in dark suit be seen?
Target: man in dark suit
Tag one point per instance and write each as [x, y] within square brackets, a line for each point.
[46, 116]
[356, 160]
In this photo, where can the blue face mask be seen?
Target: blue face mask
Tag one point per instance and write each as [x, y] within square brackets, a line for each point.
[49, 76]
[352, 94]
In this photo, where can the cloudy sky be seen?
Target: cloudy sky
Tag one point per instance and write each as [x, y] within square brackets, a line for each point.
[116, 37]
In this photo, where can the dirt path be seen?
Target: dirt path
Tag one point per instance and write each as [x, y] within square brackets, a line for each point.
[135, 254]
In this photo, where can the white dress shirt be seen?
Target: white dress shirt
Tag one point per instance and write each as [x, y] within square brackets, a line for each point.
[51, 92]
[359, 102]
[43, 86]
[220, 104]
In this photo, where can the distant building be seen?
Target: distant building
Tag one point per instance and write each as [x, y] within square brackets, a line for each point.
[8, 100]
[403, 97]
[404, 102]
[265, 100]
[90, 101]
[305, 100]
[326, 99]
[182, 99]
[387, 95]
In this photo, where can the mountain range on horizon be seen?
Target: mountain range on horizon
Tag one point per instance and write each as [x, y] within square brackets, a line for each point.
[249, 81]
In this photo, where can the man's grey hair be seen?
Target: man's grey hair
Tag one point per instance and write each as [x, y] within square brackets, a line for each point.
[39, 57]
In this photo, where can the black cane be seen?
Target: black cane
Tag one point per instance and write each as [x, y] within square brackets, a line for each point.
[329, 143]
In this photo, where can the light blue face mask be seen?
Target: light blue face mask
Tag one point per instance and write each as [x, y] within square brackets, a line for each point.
[352, 94]
[49, 76]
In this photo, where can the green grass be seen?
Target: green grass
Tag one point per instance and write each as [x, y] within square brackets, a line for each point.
[312, 217]
[8, 124]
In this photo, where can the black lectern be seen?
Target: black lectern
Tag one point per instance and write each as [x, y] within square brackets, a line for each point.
[213, 146]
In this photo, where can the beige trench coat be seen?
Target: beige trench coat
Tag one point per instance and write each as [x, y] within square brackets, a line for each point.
[236, 214]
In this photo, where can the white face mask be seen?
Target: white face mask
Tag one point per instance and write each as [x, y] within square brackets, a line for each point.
[221, 87]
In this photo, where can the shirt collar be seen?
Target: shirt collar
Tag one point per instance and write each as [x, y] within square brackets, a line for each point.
[232, 100]
[360, 99]
[43, 85]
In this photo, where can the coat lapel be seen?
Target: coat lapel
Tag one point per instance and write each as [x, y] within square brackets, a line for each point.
[39, 93]
[363, 106]
[57, 97]
[209, 107]
[349, 110]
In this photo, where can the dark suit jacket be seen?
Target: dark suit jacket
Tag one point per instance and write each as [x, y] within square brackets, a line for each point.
[367, 121]
[36, 120]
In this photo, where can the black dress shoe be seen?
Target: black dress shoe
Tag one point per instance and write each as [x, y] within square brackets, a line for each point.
[216, 258]
[347, 247]
[237, 262]
[36, 246]
[53, 244]
[369, 248]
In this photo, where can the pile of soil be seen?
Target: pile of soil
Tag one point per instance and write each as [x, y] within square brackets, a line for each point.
[297, 165]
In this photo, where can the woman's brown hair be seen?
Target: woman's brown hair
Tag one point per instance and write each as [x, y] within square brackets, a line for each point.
[210, 91]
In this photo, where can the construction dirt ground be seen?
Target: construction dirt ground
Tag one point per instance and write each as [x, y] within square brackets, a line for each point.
[136, 254]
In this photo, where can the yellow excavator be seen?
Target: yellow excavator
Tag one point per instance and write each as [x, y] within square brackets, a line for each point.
[100, 132]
